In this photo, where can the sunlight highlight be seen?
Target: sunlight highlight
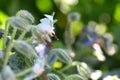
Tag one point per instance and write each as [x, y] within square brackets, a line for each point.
[98, 52]
[96, 75]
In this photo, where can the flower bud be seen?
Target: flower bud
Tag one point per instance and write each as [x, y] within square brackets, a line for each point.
[7, 73]
[83, 70]
[74, 16]
[26, 15]
[52, 76]
[24, 49]
[62, 55]
[38, 67]
[19, 23]
[36, 33]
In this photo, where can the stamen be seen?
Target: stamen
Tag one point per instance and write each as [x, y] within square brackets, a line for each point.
[55, 36]
[44, 76]
[48, 43]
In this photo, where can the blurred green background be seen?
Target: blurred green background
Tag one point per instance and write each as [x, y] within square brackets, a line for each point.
[106, 13]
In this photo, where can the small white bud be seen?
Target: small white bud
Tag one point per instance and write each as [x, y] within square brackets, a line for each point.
[74, 16]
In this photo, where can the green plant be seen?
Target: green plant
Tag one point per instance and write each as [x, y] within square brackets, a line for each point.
[33, 57]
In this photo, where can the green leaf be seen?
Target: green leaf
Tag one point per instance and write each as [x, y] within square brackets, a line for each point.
[74, 77]
[44, 8]
[3, 18]
[52, 76]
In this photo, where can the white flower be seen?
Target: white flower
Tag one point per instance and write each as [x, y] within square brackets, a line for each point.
[42, 50]
[47, 25]
[38, 67]
[109, 77]
[96, 75]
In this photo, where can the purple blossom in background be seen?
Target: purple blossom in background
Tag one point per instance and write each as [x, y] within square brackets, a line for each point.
[42, 50]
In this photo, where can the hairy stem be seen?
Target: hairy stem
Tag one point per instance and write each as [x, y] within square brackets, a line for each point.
[13, 34]
[7, 54]
[24, 72]
[22, 35]
[30, 39]
[69, 66]
[5, 36]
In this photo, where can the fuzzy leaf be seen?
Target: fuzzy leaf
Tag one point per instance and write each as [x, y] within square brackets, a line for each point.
[74, 77]
[52, 76]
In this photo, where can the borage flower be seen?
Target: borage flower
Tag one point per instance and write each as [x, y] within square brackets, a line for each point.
[43, 52]
[47, 25]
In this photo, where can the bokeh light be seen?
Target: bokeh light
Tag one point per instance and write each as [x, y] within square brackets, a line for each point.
[117, 13]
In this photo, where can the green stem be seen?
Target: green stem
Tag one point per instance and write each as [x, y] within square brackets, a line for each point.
[5, 36]
[69, 66]
[30, 39]
[24, 72]
[65, 68]
[13, 35]
[62, 75]
[68, 36]
[7, 54]
[22, 35]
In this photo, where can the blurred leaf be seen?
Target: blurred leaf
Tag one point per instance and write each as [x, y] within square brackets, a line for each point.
[19, 62]
[117, 13]
[74, 77]
[99, 1]
[3, 18]
[44, 5]
[52, 76]
[58, 44]
[76, 28]
[1, 43]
